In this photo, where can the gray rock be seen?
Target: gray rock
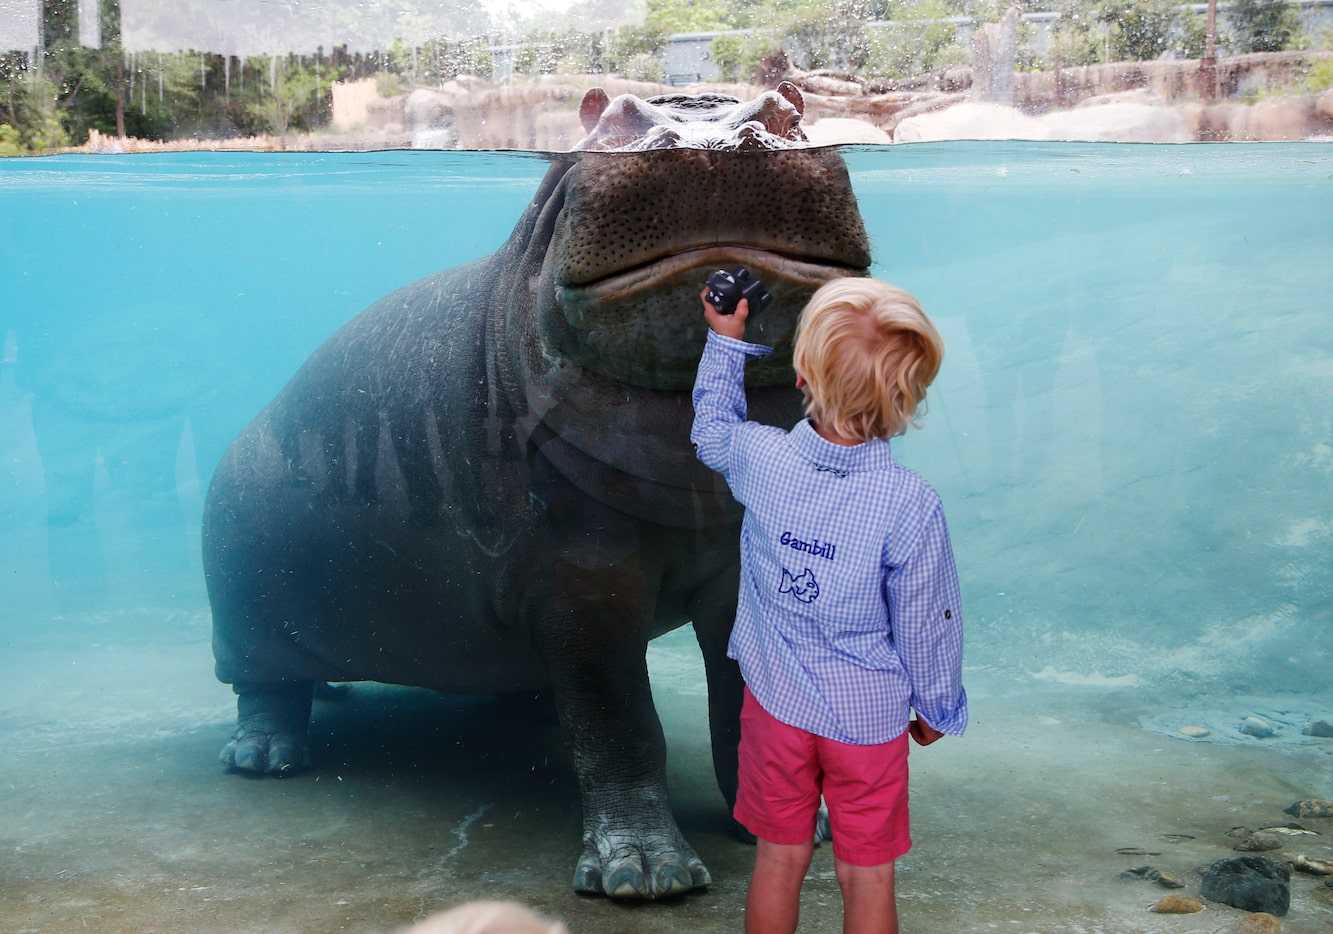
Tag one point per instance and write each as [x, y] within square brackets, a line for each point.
[1258, 842]
[1250, 883]
[1310, 807]
[1254, 726]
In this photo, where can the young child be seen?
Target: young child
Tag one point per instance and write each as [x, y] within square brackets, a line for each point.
[848, 616]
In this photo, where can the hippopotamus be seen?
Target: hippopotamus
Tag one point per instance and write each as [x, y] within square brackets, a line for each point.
[483, 483]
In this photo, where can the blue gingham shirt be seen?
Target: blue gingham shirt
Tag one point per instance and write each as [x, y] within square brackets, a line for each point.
[848, 616]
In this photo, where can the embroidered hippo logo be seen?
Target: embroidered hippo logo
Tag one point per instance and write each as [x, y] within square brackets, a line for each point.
[803, 586]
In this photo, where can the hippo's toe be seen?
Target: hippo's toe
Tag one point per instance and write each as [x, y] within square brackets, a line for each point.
[261, 749]
[638, 866]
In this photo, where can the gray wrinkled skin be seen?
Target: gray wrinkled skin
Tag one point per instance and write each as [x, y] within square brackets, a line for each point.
[484, 482]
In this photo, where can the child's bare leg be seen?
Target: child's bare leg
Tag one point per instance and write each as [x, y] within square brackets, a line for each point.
[773, 904]
[869, 903]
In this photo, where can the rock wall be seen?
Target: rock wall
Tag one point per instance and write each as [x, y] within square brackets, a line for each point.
[1138, 101]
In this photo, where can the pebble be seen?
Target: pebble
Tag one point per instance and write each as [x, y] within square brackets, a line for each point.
[1260, 729]
[1194, 732]
[1177, 905]
[1311, 807]
[1319, 728]
[1259, 922]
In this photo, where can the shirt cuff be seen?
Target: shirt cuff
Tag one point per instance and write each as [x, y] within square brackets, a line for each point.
[734, 344]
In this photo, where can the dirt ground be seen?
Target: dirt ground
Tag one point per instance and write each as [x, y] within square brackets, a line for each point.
[117, 816]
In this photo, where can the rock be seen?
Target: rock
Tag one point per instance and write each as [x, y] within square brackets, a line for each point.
[1323, 105]
[1278, 118]
[439, 138]
[1310, 807]
[1168, 880]
[993, 48]
[1165, 879]
[1319, 727]
[1121, 123]
[1254, 726]
[1251, 883]
[830, 131]
[971, 121]
[1315, 867]
[1261, 922]
[426, 110]
[1259, 842]
[1177, 905]
[1290, 830]
[1194, 732]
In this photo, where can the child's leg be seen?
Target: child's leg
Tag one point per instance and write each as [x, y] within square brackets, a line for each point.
[869, 903]
[773, 903]
[776, 801]
[866, 791]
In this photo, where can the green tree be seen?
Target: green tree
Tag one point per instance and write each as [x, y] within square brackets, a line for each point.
[1262, 25]
[918, 39]
[293, 97]
[1078, 37]
[11, 144]
[673, 16]
[1141, 30]
[547, 52]
[737, 55]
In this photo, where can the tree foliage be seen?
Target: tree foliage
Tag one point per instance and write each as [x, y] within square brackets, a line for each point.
[1140, 30]
[1262, 25]
[52, 97]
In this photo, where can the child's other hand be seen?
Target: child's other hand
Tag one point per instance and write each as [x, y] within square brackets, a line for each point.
[732, 325]
[923, 732]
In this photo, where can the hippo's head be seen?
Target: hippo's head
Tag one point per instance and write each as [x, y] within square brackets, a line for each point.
[660, 193]
[663, 192]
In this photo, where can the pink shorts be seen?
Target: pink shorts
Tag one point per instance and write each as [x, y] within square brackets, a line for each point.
[784, 770]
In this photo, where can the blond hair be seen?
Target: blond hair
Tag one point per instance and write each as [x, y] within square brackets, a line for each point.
[867, 352]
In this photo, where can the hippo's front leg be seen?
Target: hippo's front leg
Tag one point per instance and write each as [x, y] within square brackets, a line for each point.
[272, 728]
[631, 846]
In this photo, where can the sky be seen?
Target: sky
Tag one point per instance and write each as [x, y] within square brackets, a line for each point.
[248, 27]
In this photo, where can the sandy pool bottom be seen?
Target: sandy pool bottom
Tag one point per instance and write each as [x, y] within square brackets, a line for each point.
[117, 817]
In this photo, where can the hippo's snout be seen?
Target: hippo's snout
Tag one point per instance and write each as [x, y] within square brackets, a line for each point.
[640, 231]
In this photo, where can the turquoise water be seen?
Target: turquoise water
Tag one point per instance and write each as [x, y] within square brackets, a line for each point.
[1132, 433]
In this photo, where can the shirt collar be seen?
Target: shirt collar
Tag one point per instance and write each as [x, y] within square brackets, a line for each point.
[825, 455]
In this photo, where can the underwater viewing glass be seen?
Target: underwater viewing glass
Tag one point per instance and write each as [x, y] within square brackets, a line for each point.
[1131, 435]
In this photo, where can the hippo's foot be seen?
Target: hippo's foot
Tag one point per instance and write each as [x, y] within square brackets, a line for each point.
[272, 730]
[639, 863]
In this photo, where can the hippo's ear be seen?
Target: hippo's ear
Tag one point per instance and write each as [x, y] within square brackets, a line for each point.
[593, 106]
[788, 90]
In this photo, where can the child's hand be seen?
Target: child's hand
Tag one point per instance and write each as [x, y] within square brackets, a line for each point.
[732, 325]
[923, 732]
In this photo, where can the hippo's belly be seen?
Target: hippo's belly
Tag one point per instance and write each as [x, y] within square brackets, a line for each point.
[306, 590]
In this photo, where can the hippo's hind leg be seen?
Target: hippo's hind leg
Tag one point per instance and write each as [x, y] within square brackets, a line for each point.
[631, 846]
[272, 728]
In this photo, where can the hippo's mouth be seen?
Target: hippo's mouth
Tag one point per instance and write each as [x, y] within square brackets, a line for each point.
[663, 271]
[644, 325]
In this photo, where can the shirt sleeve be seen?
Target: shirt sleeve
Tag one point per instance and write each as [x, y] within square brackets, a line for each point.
[719, 397]
[923, 597]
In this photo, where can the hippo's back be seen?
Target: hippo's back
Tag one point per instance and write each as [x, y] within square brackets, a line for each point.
[338, 542]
